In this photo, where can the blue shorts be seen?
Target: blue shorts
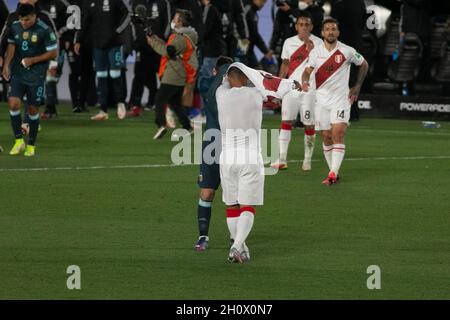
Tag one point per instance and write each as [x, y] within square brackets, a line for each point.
[35, 93]
[108, 59]
[209, 177]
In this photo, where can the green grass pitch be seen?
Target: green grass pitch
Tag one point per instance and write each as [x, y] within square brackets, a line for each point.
[131, 230]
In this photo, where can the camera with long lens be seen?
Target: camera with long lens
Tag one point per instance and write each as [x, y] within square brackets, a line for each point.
[140, 17]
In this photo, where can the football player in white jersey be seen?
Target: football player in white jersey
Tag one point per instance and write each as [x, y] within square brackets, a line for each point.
[240, 115]
[295, 56]
[239, 105]
[331, 63]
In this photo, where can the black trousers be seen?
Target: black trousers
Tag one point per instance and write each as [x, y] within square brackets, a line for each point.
[145, 70]
[171, 95]
[82, 78]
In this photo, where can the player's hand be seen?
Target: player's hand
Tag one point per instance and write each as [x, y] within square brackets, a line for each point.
[52, 72]
[28, 62]
[309, 45]
[5, 73]
[353, 94]
[76, 48]
[305, 86]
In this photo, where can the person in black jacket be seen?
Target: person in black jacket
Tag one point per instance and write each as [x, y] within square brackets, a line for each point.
[82, 85]
[190, 5]
[251, 15]
[4, 12]
[57, 10]
[210, 35]
[104, 21]
[147, 60]
[352, 16]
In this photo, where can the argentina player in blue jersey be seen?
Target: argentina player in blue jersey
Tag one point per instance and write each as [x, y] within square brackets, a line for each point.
[31, 45]
[209, 177]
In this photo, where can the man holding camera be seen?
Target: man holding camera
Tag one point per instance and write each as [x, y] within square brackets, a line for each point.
[177, 70]
[151, 13]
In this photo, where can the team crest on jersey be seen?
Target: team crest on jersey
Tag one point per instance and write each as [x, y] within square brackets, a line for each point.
[329, 68]
[34, 37]
[25, 35]
[106, 5]
[338, 58]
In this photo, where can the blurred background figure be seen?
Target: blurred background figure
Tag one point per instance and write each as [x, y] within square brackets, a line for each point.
[147, 60]
[352, 17]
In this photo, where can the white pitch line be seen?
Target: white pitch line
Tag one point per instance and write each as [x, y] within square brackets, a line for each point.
[150, 166]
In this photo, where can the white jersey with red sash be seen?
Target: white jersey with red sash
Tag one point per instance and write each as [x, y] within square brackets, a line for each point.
[296, 52]
[332, 72]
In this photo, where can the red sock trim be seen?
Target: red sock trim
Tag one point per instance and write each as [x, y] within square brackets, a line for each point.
[286, 126]
[233, 213]
[252, 210]
[310, 132]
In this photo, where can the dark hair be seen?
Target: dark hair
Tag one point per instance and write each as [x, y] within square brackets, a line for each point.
[330, 20]
[303, 14]
[235, 72]
[26, 9]
[222, 60]
[185, 16]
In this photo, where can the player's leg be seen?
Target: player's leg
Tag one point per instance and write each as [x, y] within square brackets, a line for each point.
[289, 109]
[16, 91]
[339, 118]
[35, 96]
[229, 179]
[208, 181]
[116, 62]
[101, 71]
[338, 135]
[308, 118]
[250, 194]
[324, 125]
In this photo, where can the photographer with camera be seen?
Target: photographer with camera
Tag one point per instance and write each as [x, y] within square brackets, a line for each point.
[177, 71]
[145, 13]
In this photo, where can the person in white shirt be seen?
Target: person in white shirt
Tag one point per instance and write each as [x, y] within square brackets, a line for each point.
[239, 104]
[331, 63]
[295, 56]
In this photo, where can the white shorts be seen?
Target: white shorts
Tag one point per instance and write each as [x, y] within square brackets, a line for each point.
[242, 184]
[296, 102]
[328, 116]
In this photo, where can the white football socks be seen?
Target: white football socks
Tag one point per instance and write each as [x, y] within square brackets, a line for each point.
[338, 157]
[309, 146]
[284, 139]
[328, 153]
[243, 228]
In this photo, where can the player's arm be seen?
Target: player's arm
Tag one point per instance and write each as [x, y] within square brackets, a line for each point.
[362, 73]
[305, 78]
[284, 68]
[10, 51]
[49, 55]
